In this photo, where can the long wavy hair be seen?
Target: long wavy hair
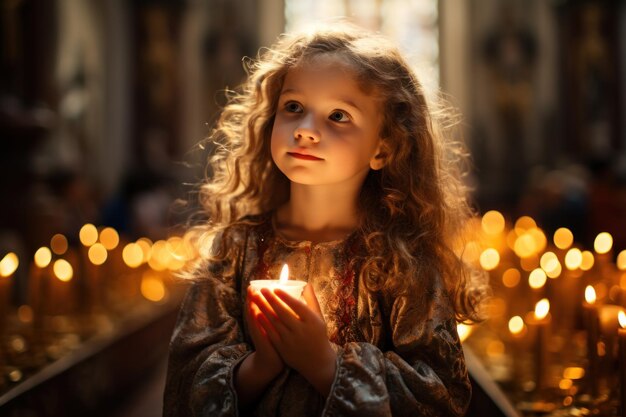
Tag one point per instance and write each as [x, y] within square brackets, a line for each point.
[410, 211]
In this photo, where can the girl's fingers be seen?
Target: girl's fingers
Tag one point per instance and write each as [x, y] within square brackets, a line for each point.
[269, 314]
[284, 313]
[311, 300]
[298, 307]
[267, 328]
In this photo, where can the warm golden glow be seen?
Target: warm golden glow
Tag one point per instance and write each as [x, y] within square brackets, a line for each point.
[472, 251]
[542, 308]
[152, 287]
[530, 263]
[556, 272]
[588, 261]
[109, 238]
[621, 318]
[511, 238]
[493, 222]
[63, 270]
[622, 281]
[146, 248]
[284, 273]
[524, 223]
[43, 257]
[97, 254]
[540, 239]
[549, 261]
[495, 348]
[590, 294]
[179, 253]
[88, 234]
[511, 277]
[537, 279]
[132, 255]
[563, 238]
[566, 384]
[9, 264]
[489, 259]
[525, 246]
[497, 307]
[463, 331]
[573, 372]
[516, 325]
[58, 244]
[573, 259]
[621, 260]
[160, 256]
[603, 242]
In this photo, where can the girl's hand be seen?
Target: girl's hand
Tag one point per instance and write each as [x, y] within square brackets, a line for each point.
[266, 354]
[299, 338]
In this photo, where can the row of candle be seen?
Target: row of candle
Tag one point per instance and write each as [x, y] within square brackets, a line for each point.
[70, 293]
[587, 290]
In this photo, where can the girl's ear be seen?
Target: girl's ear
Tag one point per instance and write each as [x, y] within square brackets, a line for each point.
[379, 159]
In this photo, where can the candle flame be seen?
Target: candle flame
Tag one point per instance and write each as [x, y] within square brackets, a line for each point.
[621, 317]
[542, 308]
[284, 274]
[590, 294]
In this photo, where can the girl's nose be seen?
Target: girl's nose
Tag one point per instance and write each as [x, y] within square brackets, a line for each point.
[306, 131]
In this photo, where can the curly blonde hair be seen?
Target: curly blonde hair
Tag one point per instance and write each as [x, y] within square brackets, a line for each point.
[411, 209]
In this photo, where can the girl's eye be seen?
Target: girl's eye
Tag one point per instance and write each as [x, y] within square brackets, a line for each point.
[339, 116]
[293, 107]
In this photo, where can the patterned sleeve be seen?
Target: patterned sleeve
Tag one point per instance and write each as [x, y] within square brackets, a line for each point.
[206, 346]
[423, 372]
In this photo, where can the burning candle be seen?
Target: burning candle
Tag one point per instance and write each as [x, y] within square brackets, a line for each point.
[621, 334]
[293, 287]
[539, 321]
[517, 331]
[592, 327]
[8, 266]
[39, 284]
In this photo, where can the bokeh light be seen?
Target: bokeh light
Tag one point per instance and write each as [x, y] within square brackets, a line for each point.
[132, 255]
[43, 257]
[58, 244]
[63, 270]
[97, 254]
[563, 238]
[511, 277]
[493, 222]
[573, 259]
[109, 238]
[88, 234]
[489, 259]
[603, 243]
[537, 279]
[9, 264]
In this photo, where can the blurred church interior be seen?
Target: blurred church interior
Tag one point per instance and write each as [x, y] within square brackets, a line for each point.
[103, 105]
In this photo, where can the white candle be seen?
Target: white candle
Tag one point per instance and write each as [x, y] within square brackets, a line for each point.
[593, 335]
[291, 286]
[621, 334]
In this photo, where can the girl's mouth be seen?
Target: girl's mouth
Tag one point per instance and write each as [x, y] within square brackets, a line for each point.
[303, 156]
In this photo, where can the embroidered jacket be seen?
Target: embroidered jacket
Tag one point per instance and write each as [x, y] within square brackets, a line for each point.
[395, 356]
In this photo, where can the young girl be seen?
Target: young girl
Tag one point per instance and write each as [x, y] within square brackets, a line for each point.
[328, 161]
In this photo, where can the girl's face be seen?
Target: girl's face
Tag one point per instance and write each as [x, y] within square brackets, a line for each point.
[326, 129]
